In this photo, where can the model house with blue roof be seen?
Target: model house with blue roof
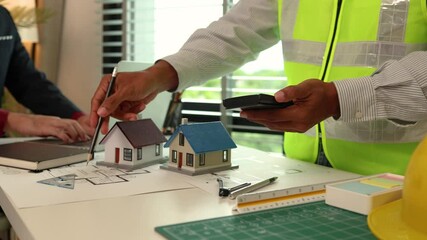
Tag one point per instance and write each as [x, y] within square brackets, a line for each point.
[133, 144]
[199, 148]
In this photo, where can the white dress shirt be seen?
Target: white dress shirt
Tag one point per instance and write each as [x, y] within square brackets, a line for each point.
[396, 91]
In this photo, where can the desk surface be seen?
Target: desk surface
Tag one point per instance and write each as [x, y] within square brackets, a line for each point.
[135, 217]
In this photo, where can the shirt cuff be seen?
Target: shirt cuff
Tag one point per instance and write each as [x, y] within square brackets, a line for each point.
[187, 71]
[3, 119]
[357, 99]
[77, 115]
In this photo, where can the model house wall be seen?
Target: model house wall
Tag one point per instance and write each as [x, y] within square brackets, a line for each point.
[133, 144]
[199, 148]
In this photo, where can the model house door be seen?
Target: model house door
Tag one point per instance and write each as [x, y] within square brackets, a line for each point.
[117, 155]
[180, 160]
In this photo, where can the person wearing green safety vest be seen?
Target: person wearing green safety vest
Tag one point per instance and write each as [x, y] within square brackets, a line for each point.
[357, 71]
[351, 40]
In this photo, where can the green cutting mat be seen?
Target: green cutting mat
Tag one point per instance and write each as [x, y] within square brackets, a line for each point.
[306, 221]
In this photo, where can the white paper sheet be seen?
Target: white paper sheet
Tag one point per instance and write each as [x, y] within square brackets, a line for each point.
[92, 182]
[253, 169]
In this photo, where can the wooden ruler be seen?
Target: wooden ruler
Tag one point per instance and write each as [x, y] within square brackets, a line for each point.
[257, 201]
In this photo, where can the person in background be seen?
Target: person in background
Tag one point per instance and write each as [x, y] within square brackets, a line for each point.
[53, 114]
[357, 72]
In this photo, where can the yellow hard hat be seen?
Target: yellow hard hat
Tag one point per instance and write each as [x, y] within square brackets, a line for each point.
[406, 218]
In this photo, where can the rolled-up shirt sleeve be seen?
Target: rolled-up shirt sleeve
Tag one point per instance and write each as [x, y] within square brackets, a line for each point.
[396, 91]
[226, 44]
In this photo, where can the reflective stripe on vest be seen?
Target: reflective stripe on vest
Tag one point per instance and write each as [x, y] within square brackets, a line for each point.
[318, 42]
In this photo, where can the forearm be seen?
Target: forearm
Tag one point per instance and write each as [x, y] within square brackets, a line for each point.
[165, 76]
[227, 44]
[31, 88]
[396, 91]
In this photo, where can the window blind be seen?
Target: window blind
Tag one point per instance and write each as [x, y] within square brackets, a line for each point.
[112, 30]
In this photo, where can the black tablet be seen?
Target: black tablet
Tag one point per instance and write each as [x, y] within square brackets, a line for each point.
[256, 101]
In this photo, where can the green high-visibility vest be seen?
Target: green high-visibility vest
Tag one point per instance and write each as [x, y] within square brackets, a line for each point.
[341, 39]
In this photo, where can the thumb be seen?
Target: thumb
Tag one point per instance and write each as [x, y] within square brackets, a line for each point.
[290, 93]
[109, 106]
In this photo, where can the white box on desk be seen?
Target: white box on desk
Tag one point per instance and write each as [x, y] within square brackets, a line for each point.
[364, 194]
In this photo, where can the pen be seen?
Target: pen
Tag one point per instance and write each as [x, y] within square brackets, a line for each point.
[253, 187]
[100, 119]
[224, 192]
[239, 187]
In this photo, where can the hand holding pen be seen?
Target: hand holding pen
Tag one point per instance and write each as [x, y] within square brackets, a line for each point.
[100, 119]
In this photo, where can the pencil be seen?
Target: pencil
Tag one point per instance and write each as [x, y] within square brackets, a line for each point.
[100, 119]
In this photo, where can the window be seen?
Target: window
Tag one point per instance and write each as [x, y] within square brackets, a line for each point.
[127, 154]
[138, 153]
[149, 33]
[157, 149]
[174, 156]
[181, 139]
[190, 159]
[225, 156]
[202, 159]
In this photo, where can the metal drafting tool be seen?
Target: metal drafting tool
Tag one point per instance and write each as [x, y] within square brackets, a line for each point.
[252, 187]
[224, 192]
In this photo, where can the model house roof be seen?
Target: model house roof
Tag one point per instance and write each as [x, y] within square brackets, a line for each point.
[139, 133]
[205, 137]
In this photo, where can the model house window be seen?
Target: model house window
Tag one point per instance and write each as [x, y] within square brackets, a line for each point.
[174, 156]
[138, 153]
[190, 159]
[225, 156]
[127, 154]
[202, 158]
[157, 149]
[181, 139]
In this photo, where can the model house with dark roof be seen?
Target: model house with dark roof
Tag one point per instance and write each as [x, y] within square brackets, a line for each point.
[199, 148]
[133, 144]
